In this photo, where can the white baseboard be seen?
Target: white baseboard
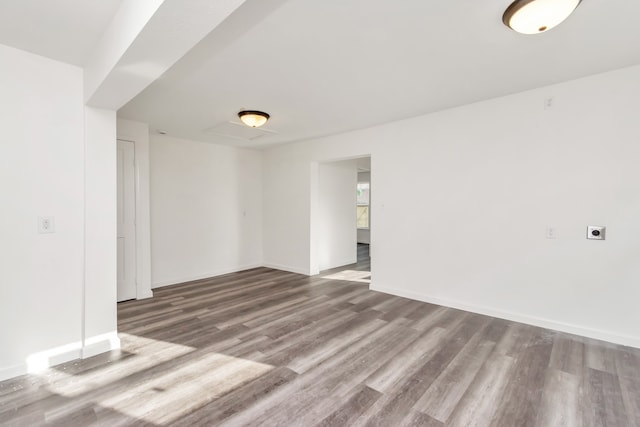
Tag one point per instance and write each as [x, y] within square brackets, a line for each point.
[220, 272]
[287, 268]
[341, 263]
[65, 357]
[100, 344]
[162, 283]
[43, 360]
[12, 372]
[145, 294]
[598, 334]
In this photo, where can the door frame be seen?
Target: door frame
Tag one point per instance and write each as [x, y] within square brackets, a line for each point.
[141, 209]
[129, 168]
[314, 202]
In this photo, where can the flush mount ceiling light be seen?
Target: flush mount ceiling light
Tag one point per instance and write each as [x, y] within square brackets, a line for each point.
[537, 16]
[253, 119]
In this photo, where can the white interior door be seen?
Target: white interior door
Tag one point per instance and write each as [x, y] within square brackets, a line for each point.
[126, 222]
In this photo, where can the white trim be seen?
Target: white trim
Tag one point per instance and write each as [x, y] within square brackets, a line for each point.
[598, 334]
[42, 360]
[12, 372]
[176, 281]
[144, 294]
[221, 272]
[138, 134]
[100, 344]
[286, 268]
[68, 356]
[83, 292]
[136, 208]
[170, 282]
[341, 264]
[314, 209]
[143, 287]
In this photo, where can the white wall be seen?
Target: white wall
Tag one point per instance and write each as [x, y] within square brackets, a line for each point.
[286, 195]
[364, 234]
[41, 173]
[100, 291]
[206, 209]
[58, 293]
[462, 199]
[57, 298]
[337, 214]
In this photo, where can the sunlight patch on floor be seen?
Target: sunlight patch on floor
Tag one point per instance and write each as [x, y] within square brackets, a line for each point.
[146, 353]
[185, 388]
[351, 276]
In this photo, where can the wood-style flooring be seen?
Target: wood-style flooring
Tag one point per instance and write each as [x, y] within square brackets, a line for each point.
[363, 260]
[266, 347]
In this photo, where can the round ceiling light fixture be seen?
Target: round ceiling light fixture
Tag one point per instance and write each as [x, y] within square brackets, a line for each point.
[253, 118]
[537, 16]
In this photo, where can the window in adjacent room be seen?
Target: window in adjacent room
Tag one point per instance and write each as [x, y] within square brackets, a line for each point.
[362, 204]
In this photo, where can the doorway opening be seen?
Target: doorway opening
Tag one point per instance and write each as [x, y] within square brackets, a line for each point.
[341, 220]
[363, 214]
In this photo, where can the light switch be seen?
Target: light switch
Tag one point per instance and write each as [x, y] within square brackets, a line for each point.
[552, 232]
[46, 224]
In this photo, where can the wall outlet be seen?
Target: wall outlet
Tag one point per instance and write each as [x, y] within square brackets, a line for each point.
[46, 224]
[596, 232]
[552, 232]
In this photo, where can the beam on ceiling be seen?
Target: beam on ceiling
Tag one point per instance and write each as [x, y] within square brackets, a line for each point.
[143, 41]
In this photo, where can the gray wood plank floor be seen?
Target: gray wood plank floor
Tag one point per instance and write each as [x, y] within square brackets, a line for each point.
[265, 347]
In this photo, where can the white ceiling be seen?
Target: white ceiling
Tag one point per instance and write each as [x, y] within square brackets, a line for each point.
[324, 67]
[64, 30]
